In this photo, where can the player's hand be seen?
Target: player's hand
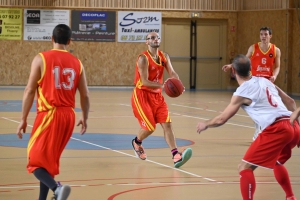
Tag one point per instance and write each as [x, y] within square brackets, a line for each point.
[201, 127]
[272, 79]
[83, 124]
[21, 128]
[226, 67]
[294, 116]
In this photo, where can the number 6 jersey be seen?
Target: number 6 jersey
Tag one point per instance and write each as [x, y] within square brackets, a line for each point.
[262, 62]
[58, 84]
[266, 103]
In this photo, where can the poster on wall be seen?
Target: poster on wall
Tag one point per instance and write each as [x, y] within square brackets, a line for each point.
[134, 26]
[95, 26]
[39, 24]
[10, 24]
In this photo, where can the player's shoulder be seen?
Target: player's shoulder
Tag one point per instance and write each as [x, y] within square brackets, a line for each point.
[142, 57]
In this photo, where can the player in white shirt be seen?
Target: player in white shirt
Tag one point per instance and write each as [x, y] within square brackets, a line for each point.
[270, 108]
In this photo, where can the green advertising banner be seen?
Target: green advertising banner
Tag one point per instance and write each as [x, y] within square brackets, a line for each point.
[10, 24]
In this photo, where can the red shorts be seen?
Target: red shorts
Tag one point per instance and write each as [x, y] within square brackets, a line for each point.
[149, 108]
[274, 144]
[50, 134]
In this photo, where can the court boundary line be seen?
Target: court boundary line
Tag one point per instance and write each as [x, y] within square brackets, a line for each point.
[150, 184]
[126, 154]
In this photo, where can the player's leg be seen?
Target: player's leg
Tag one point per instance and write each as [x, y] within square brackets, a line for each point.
[282, 176]
[137, 143]
[142, 110]
[43, 191]
[280, 172]
[179, 157]
[264, 152]
[247, 180]
[46, 182]
[162, 116]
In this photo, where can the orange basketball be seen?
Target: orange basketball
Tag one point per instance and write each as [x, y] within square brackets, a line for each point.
[173, 87]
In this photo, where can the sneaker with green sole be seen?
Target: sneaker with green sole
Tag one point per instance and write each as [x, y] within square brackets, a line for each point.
[182, 157]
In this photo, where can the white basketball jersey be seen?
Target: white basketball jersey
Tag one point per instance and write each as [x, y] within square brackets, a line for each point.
[266, 103]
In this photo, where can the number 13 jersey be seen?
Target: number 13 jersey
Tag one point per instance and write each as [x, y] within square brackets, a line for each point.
[59, 81]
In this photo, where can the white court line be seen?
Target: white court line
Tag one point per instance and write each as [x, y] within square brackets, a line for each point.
[147, 184]
[224, 124]
[120, 152]
[32, 186]
[189, 116]
[196, 108]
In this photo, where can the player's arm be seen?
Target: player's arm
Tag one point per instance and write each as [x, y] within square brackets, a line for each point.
[84, 101]
[295, 116]
[29, 92]
[250, 51]
[249, 54]
[143, 70]
[170, 68]
[230, 110]
[276, 66]
[289, 103]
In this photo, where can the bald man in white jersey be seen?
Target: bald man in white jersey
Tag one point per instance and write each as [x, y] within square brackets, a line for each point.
[270, 108]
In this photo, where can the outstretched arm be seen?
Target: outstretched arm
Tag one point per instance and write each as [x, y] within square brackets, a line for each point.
[249, 54]
[230, 110]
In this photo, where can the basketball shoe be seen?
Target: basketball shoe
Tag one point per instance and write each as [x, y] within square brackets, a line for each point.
[62, 192]
[291, 198]
[182, 157]
[139, 150]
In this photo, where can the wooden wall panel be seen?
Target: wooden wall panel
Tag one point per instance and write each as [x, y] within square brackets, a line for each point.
[156, 4]
[106, 63]
[294, 46]
[113, 63]
[130, 4]
[249, 24]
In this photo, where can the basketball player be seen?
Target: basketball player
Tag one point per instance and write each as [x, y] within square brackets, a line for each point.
[55, 76]
[148, 104]
[269, 107]
[264, 56]
[265, 60]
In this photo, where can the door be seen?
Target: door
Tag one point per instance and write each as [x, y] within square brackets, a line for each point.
[211, 52]
[176, 42]
[211, 37]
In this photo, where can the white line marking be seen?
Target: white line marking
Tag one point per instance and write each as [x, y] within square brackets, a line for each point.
[205, 109]
[32, 186]
[224, 124]
[120, 152]
[189, 116]
[146, 184]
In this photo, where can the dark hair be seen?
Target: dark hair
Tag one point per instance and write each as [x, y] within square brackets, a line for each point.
[62, 34]
[242, 65]
[266, 29]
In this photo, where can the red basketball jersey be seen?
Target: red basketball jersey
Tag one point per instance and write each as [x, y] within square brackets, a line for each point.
[262, 62]
[155, 71]
[58, 84]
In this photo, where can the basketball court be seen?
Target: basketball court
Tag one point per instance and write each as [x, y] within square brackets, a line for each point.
[101, 164]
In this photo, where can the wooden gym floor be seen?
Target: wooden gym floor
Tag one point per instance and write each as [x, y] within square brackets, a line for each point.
[101, 164]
